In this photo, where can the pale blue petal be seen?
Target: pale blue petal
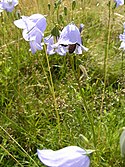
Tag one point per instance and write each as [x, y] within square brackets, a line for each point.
[71, 156]
[122, 144]
[61, 50]
[78, 50]
[81, 27]
[84, 48]
[15, 2]
[39, 20]
[20, 23]
[49, 40]
[35, 20]
[124, 25]
[35, 38]
[122, 46]
[24, 23]
[70, 35]
[119, 2]
[29, 24]
[122, 37]
[1, 7]
[34, 46]
[27, 35]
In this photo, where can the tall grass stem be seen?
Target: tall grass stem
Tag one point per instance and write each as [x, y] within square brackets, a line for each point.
[10, 155]
[53, 94]
[106, 54]
[108, 34]
[19, 146]
[74, 63]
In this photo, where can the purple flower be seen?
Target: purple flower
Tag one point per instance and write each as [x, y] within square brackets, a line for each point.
[70, 38]
[8, 5]
[49, 41]
[119, 2]
[122, 38]
[71, 156]
[33, 30]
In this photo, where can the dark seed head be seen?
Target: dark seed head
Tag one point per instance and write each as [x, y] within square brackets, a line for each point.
[72, 48]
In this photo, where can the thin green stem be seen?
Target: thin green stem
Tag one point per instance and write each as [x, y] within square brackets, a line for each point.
[84, 101]
[58, 14]
[53, 94]
[11, 155]
[5, 56]
[19, 146]
[106, 55]
[105, 64]
[107, 46]
[122, 67]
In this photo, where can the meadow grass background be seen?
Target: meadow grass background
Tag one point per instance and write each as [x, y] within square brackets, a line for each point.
[40, 111]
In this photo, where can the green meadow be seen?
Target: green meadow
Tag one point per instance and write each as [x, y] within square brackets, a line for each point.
[53, 101]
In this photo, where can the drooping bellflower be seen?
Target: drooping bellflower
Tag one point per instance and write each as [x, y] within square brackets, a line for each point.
[70, 38]
[8, 5]
[119, 2]
[33, 30]
[71, 156]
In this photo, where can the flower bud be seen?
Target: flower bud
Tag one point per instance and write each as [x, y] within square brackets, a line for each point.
[73, 4]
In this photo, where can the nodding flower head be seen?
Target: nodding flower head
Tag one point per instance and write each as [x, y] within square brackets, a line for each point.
[33, 30]
[70, 37]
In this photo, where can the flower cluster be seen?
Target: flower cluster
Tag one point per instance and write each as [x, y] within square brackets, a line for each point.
[69, 39]
[71, 156]
[8, 5]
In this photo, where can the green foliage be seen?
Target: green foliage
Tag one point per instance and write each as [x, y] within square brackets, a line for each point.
[91, 107]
